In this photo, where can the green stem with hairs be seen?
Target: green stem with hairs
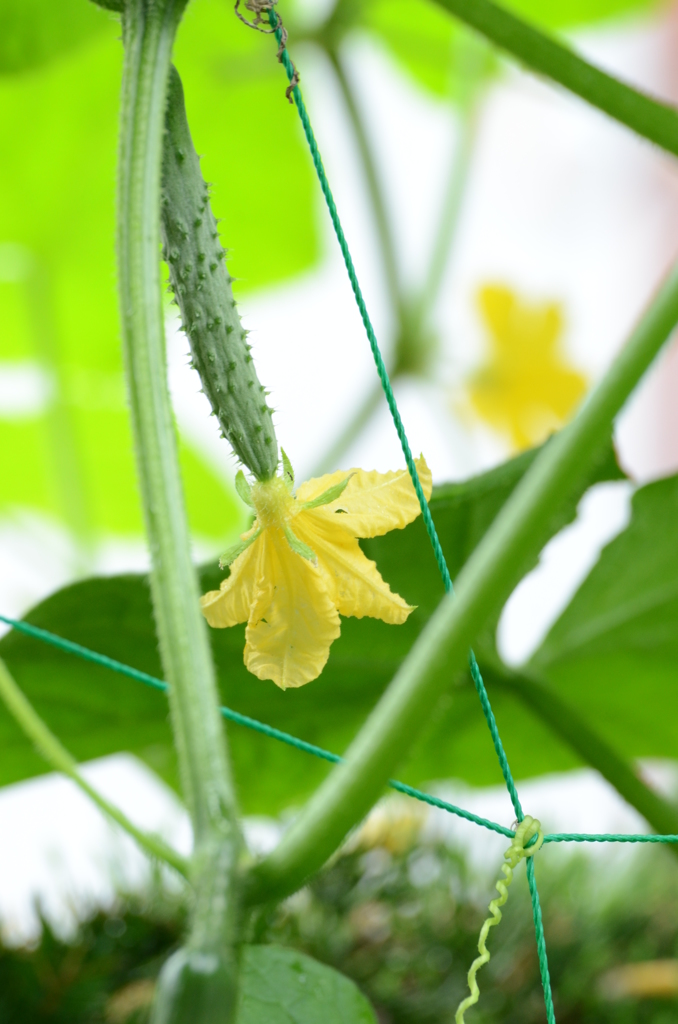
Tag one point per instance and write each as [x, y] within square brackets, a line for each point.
[649, 118]
[59, 758]
[549, 707]
[208, 961]
[513, 541]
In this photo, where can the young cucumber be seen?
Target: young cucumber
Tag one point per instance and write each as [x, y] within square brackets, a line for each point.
[202, 288]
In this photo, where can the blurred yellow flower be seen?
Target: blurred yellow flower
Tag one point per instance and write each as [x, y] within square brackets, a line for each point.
[526, 389]
[301, 566]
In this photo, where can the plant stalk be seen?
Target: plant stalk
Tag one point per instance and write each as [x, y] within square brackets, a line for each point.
[149, 28]
[649, 118]
[495, 567]
[59, 758]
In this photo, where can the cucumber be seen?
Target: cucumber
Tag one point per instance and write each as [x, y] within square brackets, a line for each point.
[201, 284]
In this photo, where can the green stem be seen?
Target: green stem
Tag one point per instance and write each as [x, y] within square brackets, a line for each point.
[59, 758]
[651, 119]
[387, 242]
[513, 541]
[149, 27]
[570, 726]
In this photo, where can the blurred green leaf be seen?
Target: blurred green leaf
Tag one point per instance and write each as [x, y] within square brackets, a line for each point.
[95, 712]
[57, 236]
[419, 35]
[557, 14]
[33, 32]
[613, 652]
[424, 39]
[282, 986]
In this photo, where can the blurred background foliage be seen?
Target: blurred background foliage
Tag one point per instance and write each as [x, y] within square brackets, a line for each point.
[399, 915]
[68, 454]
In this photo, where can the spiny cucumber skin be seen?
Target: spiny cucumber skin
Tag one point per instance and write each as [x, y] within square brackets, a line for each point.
[202, 288]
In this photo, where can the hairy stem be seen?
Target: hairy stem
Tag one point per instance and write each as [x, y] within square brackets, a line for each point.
[149, 27]
[58, 757]
[513, 541]
[570, 726]
[653, 120]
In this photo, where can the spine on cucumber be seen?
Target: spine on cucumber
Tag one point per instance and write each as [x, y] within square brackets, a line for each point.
[202, 288]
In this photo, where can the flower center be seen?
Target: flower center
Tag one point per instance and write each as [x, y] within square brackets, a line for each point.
[273, 502]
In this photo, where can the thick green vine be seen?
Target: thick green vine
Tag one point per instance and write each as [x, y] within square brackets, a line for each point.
[203, 974]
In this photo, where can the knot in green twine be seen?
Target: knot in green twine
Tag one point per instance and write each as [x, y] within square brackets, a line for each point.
[527, 840]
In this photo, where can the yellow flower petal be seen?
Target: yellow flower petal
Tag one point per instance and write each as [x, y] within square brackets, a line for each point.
[353, 581]
[231, 604]
[293, 620]
[526, 388]
[373, 503]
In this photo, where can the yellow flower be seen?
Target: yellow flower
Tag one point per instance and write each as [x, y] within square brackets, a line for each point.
[526, 389]
[301, 566]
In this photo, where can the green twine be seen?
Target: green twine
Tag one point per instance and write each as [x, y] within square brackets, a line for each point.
[70, 647]
[382, 372]
[541, 943]
[251, 723]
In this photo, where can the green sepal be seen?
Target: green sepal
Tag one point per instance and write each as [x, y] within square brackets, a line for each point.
[288, 472]
[331, 494]
[232, 553]
[299, 547]
[243, 488]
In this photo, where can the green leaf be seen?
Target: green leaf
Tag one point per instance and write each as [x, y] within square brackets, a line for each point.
[282, 986]
[95, 712]
[613, 652]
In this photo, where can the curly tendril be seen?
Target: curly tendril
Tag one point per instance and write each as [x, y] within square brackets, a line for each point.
[526, 831]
